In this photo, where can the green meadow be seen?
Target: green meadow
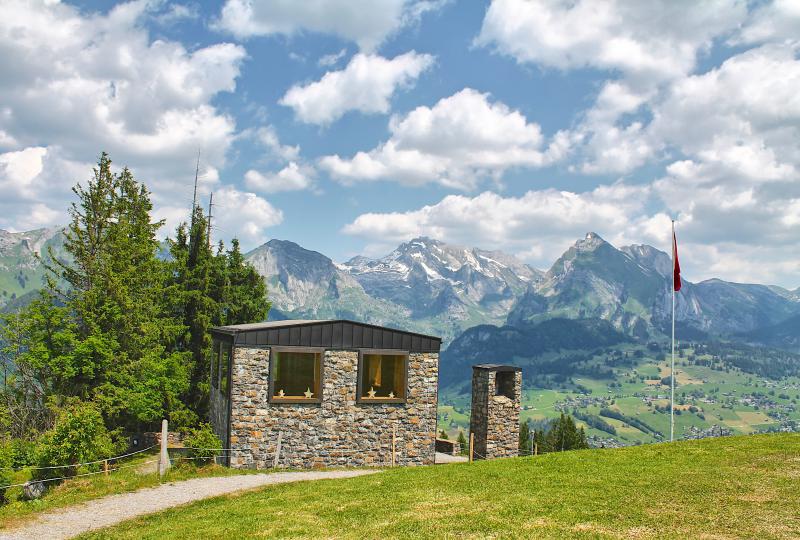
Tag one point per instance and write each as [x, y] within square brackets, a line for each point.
[728, 487]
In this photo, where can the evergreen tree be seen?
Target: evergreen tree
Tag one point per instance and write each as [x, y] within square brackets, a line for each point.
[118, 326]
[564, 435]
[190, 284]
[101, 323]
[211, 288]
[246, 298]
[462, 442]
[443, 434]
[525, 439]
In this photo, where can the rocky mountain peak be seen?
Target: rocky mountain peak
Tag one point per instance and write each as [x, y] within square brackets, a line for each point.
[590, 242]
[650, 257]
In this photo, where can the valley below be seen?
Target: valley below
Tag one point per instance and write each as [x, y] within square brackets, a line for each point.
[620, 395]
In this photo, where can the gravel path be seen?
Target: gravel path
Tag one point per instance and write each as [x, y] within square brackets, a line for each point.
[100, 513]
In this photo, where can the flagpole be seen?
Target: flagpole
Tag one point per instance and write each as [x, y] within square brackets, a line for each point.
[672, 369]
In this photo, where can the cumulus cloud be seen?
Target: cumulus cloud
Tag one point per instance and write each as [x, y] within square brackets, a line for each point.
[460, 140]
[540, 224]
[644, 46]
[75, 84]
[771, 21]
[236, 214]
[366, 23]
[640, 39]
[366, 84]
[35, 183]
[292, 177]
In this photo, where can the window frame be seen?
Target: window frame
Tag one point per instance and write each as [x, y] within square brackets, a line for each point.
[360, 399]
[272, 399]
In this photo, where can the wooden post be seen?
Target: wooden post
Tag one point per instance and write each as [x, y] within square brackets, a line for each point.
[535, 449]
[163, 458]
[471, 446]
[277, 451]
[105, 467]
[394, 441]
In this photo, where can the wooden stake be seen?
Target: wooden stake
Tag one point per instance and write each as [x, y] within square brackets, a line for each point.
[394, 441]
[105, 468]
[163, 458]
[471, 446]
[535, 449]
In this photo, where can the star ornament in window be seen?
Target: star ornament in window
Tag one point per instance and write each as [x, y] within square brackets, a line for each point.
[391, 395]
[371, 392]
[308, 393]
[281, 393]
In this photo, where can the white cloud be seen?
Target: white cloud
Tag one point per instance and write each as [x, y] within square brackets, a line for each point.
[245, 215]
[539, 224]
[640, 39]
[645, 45]
[366, 23]
[77, 83]
[268, 138]
[366, 84]
[35, 183]
[292, 177]
[777, 20]
[329, 60]
[235, 214]
[457, 142]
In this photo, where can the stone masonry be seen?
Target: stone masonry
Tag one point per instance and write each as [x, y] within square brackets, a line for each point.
[337, 432]
[494, 421]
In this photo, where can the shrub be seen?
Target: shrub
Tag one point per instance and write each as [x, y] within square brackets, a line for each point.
[79, 436]
[203, 444]
[6, 462]
[23, 453]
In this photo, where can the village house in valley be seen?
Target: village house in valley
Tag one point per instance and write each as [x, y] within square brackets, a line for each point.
[314, 393]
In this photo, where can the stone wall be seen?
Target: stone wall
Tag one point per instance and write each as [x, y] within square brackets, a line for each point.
[494, 419]
[339, 431]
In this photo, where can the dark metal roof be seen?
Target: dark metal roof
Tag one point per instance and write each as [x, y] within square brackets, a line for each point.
[333, 334]
[496, 367]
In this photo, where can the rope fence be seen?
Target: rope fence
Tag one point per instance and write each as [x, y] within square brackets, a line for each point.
[115, 458]
[105, 471]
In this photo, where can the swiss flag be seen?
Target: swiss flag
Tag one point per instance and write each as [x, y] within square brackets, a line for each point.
[676, 267]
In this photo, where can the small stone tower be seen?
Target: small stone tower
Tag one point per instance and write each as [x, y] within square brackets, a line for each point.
[494, 422]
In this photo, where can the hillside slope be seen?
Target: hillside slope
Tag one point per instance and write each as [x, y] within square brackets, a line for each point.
[730, 487]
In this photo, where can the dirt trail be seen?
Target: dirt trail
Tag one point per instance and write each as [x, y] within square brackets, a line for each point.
[99, 513]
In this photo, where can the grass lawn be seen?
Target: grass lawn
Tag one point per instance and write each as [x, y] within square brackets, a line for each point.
[82, 489]
[732, 487]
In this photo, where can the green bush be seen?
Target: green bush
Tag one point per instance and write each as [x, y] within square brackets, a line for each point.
[203, 444]
[6, 462]
[79, 436]
[23, 453]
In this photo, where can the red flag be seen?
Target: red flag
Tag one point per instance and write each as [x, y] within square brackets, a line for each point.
[676, 265]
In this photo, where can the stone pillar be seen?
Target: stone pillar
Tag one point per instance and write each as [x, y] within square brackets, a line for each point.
[494, 420]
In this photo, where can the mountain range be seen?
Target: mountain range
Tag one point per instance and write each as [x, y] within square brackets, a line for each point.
[433, 287]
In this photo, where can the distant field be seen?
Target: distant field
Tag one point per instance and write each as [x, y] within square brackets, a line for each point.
[717, 396]
[729, 487]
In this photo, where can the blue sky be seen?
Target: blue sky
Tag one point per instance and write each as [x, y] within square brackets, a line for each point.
[349, 127]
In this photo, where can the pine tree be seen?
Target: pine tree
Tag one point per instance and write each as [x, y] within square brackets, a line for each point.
[210, 288]
[564, 435]
[462, 443]
[103, 311]
[524, 439]
[246, 299]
